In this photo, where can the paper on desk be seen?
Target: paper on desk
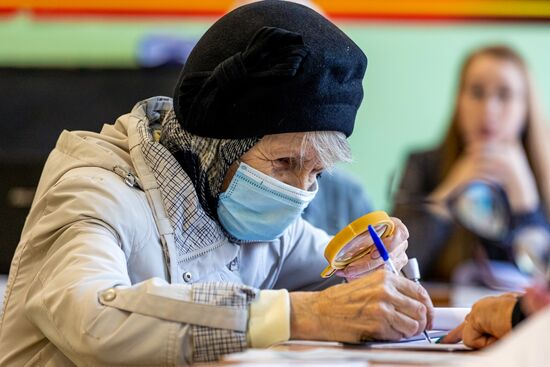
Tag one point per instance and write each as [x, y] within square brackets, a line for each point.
[434, 335]
[447, 318]
[338, 355]
[423, 345]
[301, 363]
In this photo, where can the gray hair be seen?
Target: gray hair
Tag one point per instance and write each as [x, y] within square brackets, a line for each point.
[330, 147]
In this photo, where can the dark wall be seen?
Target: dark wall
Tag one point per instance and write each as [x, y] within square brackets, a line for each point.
[37, 104]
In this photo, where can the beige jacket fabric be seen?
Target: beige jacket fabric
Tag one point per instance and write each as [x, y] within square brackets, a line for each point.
[89, 284]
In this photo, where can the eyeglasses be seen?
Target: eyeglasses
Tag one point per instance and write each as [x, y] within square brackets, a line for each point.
[481, 207]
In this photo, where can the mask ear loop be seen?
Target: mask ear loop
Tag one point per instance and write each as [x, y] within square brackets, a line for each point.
[226, 183]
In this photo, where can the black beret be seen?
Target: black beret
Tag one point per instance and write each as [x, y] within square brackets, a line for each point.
[270, 67]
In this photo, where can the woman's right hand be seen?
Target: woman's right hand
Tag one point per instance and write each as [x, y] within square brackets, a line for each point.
[468, 167]
[471, 165]
[380, 306]
[502, 164]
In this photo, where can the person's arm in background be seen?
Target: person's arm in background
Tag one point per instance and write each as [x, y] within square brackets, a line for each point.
[529, 228]
[428, 229]
[493, 317]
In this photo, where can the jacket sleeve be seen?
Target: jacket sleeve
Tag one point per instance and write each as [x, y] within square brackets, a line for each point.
[303, 259]
[535, 218]
[83, 301]
[428, 232]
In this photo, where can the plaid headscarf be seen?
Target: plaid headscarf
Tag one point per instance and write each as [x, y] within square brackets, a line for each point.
[205, 160]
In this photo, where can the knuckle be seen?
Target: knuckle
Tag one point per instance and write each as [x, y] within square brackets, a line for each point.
[417, 288]
[379, 330]
[376, 310]
[421, 311]
[384, 292]
[379, 295]
[414, 329]
[380, 311]
[420, 290]
[476, 307]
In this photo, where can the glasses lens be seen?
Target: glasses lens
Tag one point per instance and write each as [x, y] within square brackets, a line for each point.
[482, 209]
[359, 246]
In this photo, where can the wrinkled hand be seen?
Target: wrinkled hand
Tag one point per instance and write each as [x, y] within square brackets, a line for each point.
[489, 320]
[396, 246]
[380, 306]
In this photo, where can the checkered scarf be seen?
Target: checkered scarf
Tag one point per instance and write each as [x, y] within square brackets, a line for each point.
[187, 167]
[205, 160]
[195, 232]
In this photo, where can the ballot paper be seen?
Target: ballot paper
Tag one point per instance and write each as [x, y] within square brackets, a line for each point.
[434, 335]
[415, 350]
[445, 319]
[448, 318]
[423, 345]
[295, 363]
[316, 356]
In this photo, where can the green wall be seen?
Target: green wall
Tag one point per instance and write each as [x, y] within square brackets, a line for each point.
[409, 86]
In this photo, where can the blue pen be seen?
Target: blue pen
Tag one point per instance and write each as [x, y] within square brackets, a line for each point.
[387, 260]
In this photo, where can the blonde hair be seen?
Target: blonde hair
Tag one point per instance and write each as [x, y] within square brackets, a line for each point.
[535, 135]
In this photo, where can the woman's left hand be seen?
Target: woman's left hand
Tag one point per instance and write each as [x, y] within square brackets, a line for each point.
[489, 320]
[396, 245]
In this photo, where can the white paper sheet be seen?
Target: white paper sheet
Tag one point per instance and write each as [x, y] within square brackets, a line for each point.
[433, 334]
[447, 318]
[423, 346]
[336, 355]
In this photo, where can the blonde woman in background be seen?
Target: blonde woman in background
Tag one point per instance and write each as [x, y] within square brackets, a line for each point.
[497, 135]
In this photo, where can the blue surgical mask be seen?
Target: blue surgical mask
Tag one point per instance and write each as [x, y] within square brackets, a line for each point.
[257, 207]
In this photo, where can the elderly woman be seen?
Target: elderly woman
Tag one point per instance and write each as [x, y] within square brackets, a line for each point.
[175, 235]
